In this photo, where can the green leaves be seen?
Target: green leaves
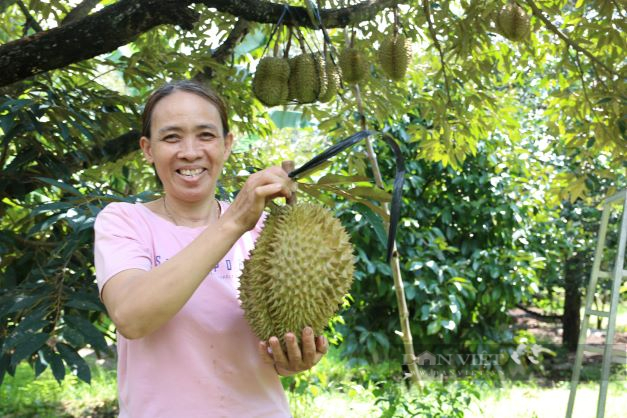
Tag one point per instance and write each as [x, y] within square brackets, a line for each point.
[75, 362]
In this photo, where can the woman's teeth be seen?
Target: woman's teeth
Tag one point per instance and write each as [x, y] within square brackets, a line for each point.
[191, 173]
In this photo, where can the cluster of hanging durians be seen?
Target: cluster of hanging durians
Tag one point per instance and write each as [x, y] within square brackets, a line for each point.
[317, 76]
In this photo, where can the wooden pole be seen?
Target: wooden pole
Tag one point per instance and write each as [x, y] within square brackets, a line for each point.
[288, 166]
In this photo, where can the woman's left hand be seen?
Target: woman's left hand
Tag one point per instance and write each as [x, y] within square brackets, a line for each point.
[296, 359]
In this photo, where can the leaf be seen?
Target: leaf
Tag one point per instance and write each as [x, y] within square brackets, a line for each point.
[40, 367]
[5, 360]
[382, 339]
[374, 220]
[75, 361]
[61, 185]
[21, 302]
[339, 179]
[27, 348]
[371, 193]
[83, 304]
[55, 362]
[315, 169]
[434, 327]
[92, 335]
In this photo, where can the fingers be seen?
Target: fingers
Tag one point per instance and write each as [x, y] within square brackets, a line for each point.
[322, 344]
[273, 176]
[279, 357]
[294, 356]
[309, 347]
[265, 355]
[259, 188]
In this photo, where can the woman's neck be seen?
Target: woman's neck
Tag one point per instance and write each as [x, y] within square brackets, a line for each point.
[191, 214]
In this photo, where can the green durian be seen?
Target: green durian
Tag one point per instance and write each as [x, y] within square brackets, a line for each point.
[394, 55]
[354, 65]
[298, 272]
[270, 83]
[513, 22]
[332, 80]
[304, 80]
[321, 72]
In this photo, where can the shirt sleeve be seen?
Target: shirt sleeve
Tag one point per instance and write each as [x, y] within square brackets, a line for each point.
[120, 243]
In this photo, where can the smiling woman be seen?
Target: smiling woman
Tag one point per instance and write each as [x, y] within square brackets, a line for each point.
[168, 272]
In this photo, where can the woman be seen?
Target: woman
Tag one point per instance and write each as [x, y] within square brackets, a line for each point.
[167, 271]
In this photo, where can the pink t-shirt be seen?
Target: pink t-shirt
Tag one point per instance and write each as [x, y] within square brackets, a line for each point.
[202, 363]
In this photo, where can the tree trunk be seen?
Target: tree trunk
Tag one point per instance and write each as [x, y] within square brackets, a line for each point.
[571, 322]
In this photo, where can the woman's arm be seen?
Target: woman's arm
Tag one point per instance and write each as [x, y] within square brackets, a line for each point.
[139, 302]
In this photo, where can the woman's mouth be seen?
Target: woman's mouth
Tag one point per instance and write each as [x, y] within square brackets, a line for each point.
[190, 173]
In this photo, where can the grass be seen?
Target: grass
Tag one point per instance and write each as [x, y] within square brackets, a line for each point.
[530, 401]
[332, 389]
[24, 396]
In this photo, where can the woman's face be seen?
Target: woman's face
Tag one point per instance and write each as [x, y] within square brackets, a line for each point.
[187, 145]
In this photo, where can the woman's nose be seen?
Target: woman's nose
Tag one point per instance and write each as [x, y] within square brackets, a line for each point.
[189, 148]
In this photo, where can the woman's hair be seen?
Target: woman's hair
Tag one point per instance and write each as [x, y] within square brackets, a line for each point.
[188, 86]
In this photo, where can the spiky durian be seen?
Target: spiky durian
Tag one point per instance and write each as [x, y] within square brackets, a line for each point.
[296, 276]
[394, 55]
[332, 80]
[304, 81]
[354, 65]
[270, 81]
[321, 72]
[513, 22]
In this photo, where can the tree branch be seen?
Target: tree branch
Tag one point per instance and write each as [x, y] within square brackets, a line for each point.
[222, 52]
[30, 20]
[18, 185]
[120, 23]
[538, 13]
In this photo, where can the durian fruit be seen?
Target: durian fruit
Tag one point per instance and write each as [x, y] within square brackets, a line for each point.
[394, 55]
[323, 80]
[353, 64]
[332, 80]
[298, 272]
[305, 78]
[513, 22]
[270, 83]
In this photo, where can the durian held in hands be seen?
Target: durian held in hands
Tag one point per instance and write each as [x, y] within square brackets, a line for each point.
[298, 272]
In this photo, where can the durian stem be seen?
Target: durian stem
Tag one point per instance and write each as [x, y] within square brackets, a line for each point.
[409, 357]
[286, 53]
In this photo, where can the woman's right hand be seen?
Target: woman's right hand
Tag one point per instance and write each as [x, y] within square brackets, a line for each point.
[259, 189]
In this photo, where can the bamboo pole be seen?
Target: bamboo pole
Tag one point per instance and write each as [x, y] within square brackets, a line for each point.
[409, 356]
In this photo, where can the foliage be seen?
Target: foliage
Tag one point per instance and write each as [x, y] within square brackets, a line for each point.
[465, 260]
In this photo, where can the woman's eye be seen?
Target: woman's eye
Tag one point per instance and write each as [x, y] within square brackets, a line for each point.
[170, 138]
[207, 135]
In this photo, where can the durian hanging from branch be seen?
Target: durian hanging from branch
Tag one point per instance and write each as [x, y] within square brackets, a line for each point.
[353, 63]
[513, 22]
[395, 52]
[305, 78]
[270, 82]
[313, 74]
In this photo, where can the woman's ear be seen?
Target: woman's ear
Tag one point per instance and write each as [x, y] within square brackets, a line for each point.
[145, 145]
[228, 145]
